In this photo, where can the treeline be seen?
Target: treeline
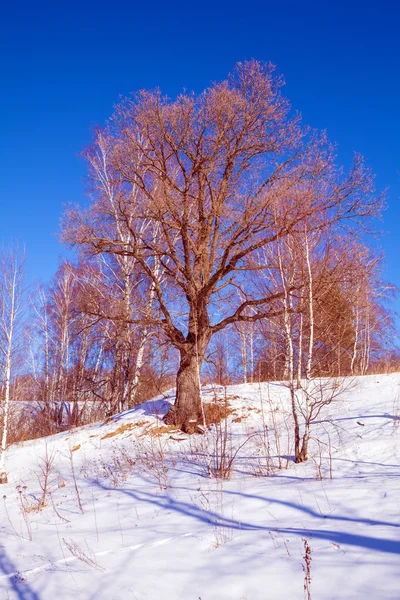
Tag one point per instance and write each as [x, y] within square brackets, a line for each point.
[84, 338]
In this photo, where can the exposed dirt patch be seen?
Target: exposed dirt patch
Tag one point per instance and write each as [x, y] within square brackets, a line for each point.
[75, 448]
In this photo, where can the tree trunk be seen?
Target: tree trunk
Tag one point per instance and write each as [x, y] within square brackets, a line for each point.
[296, 422]
[300, 351]
[302, 455]
[187, 411]
[311, 311]
[3, 474]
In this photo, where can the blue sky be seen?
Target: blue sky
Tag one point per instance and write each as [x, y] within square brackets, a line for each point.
[64, 65]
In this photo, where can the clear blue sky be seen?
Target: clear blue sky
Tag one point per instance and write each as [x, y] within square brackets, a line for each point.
[64, 65]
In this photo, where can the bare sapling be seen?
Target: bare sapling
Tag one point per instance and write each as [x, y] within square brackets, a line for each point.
[307, 404]
[45, 476]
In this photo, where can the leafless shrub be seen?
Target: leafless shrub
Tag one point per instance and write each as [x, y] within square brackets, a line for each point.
[264, 465]
[222, 451]
[308, 401]
[322, 459]
[34, 420]
[114, 470]
[151, 458]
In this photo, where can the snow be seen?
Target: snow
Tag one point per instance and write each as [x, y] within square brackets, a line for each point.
[154, 525]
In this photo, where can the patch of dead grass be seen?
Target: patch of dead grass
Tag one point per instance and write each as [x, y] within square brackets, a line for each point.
[216, 411]
[125, 427]
[121, 429]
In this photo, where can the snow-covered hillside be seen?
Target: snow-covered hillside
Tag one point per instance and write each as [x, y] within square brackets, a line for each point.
[130, 512]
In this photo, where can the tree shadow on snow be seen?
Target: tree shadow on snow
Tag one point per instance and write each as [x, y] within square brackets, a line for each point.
[209, 516]
[153, 408]
[358, 417]
[18, 584]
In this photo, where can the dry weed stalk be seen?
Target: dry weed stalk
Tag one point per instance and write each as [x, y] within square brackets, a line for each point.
[223, 452]
[222, 532]
[307, 570]
[9, 519]
[277, 436]
[151, 457]
[396, 411]
[78, 497]
[83, 556]
[266, 463]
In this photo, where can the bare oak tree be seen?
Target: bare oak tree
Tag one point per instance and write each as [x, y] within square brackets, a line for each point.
[218, 177]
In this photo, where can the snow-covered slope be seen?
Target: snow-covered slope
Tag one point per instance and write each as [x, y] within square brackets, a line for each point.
[131, 513]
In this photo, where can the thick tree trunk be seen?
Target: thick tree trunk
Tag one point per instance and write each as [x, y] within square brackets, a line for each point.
[187, 411]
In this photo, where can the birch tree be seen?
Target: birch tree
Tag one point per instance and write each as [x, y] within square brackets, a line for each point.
[11, 307]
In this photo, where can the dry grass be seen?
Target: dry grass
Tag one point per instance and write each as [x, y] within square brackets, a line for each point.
[121, 429]
[238, 419]
[217, 410]
[160, 430]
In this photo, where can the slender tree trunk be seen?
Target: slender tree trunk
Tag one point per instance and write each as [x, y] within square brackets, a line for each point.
[296, 422]
[244, 353]
[287, 306]
[9, 336]
[355, 345]
[138, 366]
[311, 310]
[300, 351]
[144, 337]
[3, 474]
[302, 454]
[251, 348]
[367, 342]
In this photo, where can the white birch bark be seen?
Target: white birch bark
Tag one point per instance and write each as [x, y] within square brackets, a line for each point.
[310, 309]
[11, 300]
[355, 345]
